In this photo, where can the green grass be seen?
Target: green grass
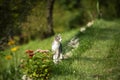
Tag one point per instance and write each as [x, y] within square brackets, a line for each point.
[96, 58]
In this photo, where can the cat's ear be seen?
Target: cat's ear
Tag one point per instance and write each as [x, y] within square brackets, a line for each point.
[60, 38]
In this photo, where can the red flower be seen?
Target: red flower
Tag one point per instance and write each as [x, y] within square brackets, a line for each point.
[30, 53]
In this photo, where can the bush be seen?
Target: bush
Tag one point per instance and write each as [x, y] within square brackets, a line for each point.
[37, 65]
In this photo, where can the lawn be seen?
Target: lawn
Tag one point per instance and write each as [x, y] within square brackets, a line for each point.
[96, 58]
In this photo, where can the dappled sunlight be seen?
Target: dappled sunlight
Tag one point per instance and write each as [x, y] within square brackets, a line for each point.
[87, 48]
[93, 62]
[90, 55]
[99, 49]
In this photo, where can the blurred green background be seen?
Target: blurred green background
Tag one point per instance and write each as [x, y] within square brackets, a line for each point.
[26, 19]
[96, 58]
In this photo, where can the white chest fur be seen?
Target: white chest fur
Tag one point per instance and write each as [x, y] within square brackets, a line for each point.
[55, 45]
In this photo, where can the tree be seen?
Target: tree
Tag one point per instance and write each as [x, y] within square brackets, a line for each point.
[50, 5]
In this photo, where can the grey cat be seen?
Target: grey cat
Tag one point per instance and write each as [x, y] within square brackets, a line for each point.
[57, 49]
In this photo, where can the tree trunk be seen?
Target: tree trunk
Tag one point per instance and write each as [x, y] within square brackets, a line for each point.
[50, 5]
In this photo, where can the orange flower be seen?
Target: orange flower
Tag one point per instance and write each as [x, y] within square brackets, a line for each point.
[14, 49]
[8, 57]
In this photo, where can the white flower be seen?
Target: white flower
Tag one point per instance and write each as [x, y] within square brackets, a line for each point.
[82, 29]
[25, 77]
[73, 71]
[89, 24]
[74, 43]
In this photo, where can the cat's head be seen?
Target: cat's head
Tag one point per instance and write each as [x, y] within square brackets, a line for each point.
[58, 38]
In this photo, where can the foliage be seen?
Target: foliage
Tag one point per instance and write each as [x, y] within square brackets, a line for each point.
[27, 19]
[13, 12]
[96, 58]
[37, 66]
[9, 69]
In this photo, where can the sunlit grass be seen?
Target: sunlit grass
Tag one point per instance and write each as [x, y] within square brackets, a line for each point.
[90, 61]
[96, 58]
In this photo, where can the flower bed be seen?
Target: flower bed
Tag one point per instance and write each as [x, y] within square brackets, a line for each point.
[37, 65]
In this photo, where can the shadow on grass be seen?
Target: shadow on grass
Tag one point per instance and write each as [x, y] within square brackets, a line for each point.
[64, 67]
[86, 41]
[91, 35]
[113, 59]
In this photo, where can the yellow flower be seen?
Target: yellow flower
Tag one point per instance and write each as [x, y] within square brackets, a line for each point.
[8, 57]
[14, 49]
[11, 42]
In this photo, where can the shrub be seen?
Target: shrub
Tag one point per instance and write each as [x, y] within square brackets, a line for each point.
[37, 65]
